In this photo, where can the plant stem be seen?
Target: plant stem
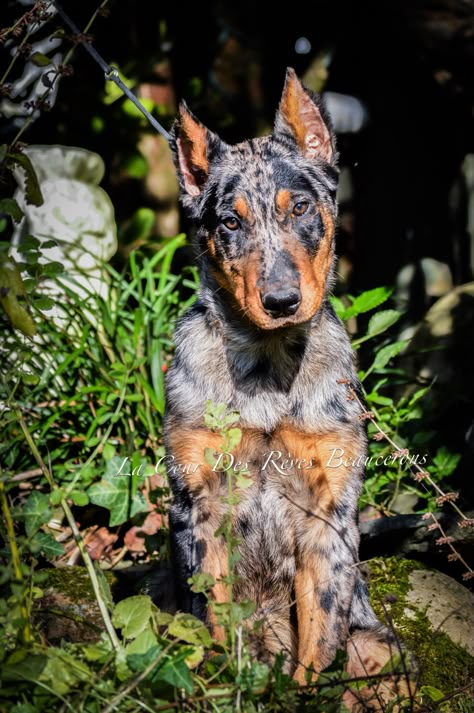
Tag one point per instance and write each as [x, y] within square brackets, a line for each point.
[25, 613]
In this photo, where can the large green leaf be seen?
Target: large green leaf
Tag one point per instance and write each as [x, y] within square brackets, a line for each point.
[132, 615]
[114, 492]
[36, 512]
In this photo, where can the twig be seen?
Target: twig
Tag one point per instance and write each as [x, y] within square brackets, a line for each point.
[419, 475]
[133, 684]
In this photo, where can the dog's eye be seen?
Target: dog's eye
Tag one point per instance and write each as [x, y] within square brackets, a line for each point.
[231, 223]
[300, 208]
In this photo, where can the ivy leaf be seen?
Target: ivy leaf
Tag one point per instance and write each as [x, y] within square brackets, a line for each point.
[175, 673]
[11, 208]
[33, 193]
[114, 493]
[45, 543]
[36, 512]
[132, 615]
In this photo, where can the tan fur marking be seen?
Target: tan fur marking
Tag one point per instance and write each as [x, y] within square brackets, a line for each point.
[241, 282]
[283, 198]
[312, 621]
[291, 110]
[195, 136]
[242, 207]
[329, 483]
[313, 274]
[188, 446]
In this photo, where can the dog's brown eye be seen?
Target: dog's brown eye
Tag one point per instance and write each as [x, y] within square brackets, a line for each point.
[231, 223]
[300, 208]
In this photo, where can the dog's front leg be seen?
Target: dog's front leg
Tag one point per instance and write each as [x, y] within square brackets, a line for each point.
[324, 583]
[323, 500]
[197, 512]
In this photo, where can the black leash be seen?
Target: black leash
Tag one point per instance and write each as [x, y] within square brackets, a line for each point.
[111, 74]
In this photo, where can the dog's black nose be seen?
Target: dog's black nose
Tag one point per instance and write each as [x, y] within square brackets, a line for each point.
[281, 303]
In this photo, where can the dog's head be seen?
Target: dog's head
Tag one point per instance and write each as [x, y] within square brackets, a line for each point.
[265, 209]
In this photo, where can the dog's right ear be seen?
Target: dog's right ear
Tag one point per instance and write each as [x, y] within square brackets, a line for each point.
[192, 145]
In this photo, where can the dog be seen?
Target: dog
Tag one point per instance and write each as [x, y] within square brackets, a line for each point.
[263, 338]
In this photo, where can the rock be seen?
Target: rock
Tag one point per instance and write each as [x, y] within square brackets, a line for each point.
[68, 610]
[78, 215]
[448, 605]
[421, 606]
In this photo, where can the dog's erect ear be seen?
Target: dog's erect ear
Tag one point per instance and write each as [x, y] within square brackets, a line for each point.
[302, 118]
[192, 145]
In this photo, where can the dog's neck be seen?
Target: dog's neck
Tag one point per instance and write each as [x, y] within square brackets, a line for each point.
[256, 355]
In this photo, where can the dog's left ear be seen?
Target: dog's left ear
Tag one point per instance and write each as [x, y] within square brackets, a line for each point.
[302, 119]
[193, 146]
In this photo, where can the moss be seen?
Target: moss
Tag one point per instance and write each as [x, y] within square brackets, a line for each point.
[73, 582]
[442, 663]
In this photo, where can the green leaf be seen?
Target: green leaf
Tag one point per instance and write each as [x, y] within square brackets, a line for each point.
[445, 461]
[43, 303]
[41, 60]
[136, 166]
[338, 306]
[79, 498]
[45, 543]
[175, 673]
[130, 109]
[201, 582]
[139, 662]
[12, 290]
[367, 301]
[36, 512]
[234, 436]
[114, 492]
[132, 615]
[385, 354]
[242, 481]
[33, 193]
[63, 671]
[145, 640]
[190, 629]
[434, 693]
[104, 588]
[27, 669]
[50, 269]
[11, 208]
[382, 321]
